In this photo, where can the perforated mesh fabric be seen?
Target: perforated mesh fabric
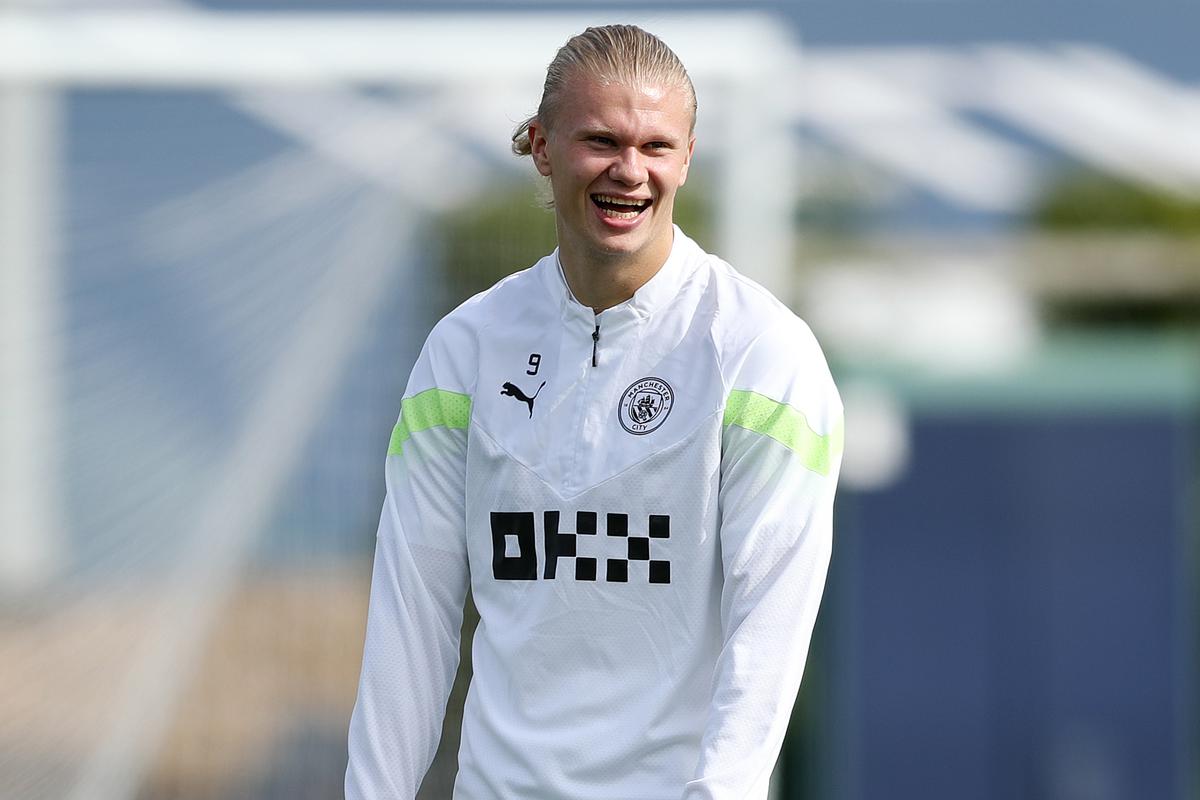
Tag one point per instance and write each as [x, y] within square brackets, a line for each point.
[429, 409]
[785, 425]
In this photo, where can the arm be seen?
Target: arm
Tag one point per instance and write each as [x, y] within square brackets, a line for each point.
[418, 588]
[781, 451]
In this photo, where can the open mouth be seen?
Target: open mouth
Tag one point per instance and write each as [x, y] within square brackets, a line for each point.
[620, 207]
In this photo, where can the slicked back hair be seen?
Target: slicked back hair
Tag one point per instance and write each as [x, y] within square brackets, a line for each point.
[623, 54]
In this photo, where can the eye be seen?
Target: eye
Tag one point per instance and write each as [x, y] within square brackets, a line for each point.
[659, 145]
[602, 140]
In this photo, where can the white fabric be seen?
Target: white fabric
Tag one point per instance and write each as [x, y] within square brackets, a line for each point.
[601, 689]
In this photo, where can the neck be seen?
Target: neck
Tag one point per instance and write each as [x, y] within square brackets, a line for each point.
[602, 280]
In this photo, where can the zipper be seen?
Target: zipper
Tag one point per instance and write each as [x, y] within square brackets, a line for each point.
[572, 472]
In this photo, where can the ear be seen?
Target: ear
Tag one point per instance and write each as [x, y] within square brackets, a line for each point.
[687, 161]
[538, 144]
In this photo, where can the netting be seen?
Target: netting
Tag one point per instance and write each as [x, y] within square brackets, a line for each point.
[238, 317]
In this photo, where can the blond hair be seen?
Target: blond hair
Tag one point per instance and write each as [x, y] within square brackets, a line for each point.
[623, 54]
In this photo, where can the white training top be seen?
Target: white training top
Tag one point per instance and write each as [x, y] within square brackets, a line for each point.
[641, 504]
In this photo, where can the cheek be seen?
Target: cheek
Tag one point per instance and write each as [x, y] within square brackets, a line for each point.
[580, 173]
[671, 178]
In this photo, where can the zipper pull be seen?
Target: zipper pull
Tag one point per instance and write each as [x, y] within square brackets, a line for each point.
[595, 342]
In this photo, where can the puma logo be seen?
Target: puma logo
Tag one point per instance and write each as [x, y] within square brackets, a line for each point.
[512, 390]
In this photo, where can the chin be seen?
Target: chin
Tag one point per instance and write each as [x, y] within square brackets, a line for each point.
[628, 241]
[621, 245]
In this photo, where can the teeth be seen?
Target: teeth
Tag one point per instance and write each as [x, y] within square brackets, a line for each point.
[621, 201]
[619, 214]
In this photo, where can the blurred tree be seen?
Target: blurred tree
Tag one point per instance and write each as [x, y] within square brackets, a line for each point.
[511, 227]
[1120, 254]
[1091, 201]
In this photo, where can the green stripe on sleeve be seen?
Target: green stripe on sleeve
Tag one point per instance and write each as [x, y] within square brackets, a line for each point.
[785, 425]
[431, 408]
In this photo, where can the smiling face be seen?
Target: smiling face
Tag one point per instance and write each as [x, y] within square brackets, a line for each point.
[615, 155]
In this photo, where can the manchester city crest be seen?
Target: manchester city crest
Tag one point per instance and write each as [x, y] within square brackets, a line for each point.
[645, 405]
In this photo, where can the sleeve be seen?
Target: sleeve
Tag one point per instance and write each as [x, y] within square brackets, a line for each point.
[418, 588]
[781, 452]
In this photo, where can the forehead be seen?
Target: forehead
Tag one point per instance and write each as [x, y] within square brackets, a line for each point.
[591, 102]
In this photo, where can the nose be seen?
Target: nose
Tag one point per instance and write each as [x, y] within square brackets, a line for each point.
[628, 168]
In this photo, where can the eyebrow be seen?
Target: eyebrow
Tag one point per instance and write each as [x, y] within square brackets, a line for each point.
[611, 134]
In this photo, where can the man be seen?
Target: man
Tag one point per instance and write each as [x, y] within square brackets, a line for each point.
[628, 452]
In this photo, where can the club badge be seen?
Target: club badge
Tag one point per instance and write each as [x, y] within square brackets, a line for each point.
[645, 405]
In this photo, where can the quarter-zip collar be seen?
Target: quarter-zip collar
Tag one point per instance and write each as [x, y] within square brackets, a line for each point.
[662, 287]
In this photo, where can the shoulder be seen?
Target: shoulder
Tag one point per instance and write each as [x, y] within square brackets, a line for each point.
[502, 301]
[748, 320]
[764, 348]
[450, 356]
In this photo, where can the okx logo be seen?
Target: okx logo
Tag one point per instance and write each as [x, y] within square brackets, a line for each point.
[515, 556]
